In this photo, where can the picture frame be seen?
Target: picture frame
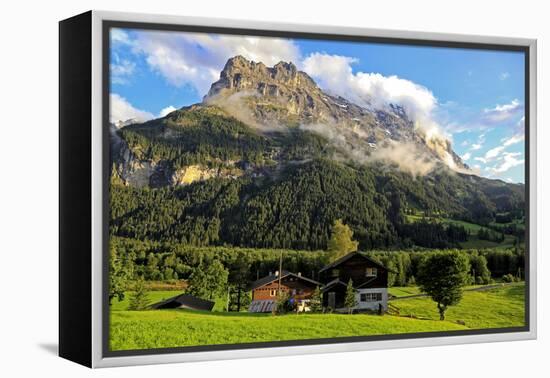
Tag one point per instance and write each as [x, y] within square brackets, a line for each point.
[85, 183]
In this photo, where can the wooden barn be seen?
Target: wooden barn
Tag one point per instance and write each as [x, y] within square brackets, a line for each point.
[264, 291]
[370, 281]
[184, 301]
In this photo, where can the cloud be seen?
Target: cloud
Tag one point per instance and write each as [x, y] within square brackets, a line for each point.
[406, 156]
[493, 153]
[119, 36]
[196, 59]
[167, 110]
[476, 146]
[122, 110]
[508, 161]
[504, 75]
[334, 73]
[514, 139]
[501, 113]
[121, 70]
[466, 156]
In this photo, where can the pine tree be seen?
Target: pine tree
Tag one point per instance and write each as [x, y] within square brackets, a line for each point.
[139, 299]
[118, 276]
[341, 241]
[350, 301]
[316, 301]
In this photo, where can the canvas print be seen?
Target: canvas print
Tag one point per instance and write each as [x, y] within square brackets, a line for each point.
[274, 189]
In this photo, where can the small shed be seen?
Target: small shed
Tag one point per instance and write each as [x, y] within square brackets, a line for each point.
[184, 301]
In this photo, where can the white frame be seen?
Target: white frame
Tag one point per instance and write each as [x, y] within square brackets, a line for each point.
[97, 194]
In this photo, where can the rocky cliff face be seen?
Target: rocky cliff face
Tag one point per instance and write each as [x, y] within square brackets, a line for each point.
[282, 96]
[272, 101]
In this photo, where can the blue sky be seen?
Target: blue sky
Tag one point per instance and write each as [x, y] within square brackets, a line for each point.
[475, 98]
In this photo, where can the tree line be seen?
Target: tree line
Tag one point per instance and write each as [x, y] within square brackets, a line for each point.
[133, 259]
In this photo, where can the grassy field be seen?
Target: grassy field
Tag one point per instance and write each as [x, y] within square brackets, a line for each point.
[405, 291]
[172, 328]
[157, 296]
[502, 307]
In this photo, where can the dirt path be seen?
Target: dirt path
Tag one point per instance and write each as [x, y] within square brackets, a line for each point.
[481, 288]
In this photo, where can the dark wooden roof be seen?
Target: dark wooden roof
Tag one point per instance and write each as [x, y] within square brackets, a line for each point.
[333, 283]
[349, 256]
[185, 300]
[271, 278]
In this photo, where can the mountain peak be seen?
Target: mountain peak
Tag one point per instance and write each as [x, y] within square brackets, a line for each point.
[241, 74]
[282, 96]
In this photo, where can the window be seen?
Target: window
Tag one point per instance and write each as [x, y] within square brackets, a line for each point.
[371, 297]
[371, 272]
[272, 293]
[335, 273]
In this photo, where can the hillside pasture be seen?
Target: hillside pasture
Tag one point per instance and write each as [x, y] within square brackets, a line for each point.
[501, 307]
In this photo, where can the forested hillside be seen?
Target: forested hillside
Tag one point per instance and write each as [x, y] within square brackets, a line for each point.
[206, 176]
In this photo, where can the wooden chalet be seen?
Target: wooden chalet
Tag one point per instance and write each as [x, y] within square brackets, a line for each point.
[369, 277]
[296, 286]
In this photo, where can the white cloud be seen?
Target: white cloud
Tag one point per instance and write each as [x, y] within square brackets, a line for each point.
[501, 113]
[504, 75]
[493, 153]
[476, 146]
[517, 138]
[334, 74]
[122, 110]
[121, 70]
[466, 156]
[119, 36]
[167, 110]
[196, 59]
[508, 161]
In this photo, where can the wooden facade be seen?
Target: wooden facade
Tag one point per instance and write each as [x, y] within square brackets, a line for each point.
[296, 286]
[367, 276]
[354, 266]
[291, 285]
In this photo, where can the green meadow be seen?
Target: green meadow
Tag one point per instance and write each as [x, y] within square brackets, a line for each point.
[496, 308]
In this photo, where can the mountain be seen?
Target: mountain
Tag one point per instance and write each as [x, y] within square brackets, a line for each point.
[284, 96]
[268, 159]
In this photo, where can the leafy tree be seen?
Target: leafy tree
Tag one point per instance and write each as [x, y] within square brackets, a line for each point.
[316, 301]
[118, 276]
[208, 282]
[139, 299]
[441, 276]
[350, 300]
[341, 241]
[479, 269]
